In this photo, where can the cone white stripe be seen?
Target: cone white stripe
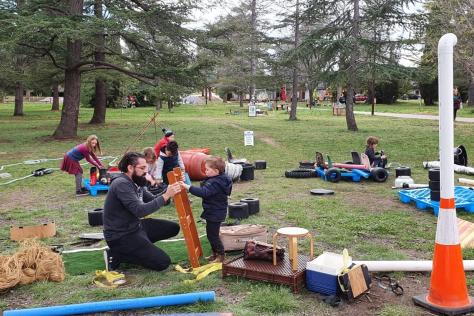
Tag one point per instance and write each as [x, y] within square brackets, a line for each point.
[447, 232]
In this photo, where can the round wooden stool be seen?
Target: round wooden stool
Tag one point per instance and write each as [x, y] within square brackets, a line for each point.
[292, 233]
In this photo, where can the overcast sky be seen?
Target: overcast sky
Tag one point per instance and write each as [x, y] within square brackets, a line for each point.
[217, 8]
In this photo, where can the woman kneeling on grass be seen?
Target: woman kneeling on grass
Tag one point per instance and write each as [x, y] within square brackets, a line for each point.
[70, 162]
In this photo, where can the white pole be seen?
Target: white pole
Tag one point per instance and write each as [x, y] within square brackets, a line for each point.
[446, 126]
[407, 266]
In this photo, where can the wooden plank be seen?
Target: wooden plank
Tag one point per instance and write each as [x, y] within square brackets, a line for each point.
[186, 220]
[357, 281]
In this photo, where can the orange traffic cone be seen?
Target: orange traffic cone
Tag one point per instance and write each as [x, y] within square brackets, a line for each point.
[448, 291]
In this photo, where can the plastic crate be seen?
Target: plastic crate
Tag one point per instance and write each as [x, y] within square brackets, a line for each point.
[322, 272]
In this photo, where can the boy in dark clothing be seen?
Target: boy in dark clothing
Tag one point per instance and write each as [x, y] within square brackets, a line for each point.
[169, 158]
[130, 237]
[376, 159]
[214, 192]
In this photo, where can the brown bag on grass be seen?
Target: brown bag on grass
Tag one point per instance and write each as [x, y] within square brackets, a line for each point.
[257, 250]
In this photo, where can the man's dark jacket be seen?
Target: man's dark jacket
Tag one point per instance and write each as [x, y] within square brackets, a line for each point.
[124, 205]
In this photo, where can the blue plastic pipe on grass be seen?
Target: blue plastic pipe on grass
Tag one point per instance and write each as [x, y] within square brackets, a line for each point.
[115, 305]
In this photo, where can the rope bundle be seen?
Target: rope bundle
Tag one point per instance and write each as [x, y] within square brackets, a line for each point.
[32, 262]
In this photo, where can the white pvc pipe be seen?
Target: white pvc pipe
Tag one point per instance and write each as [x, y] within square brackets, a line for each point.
[446, 126]
[466, 181]
[407, 266]
[457, 168]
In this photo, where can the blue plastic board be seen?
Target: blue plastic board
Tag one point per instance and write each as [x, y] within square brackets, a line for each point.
[463, 198]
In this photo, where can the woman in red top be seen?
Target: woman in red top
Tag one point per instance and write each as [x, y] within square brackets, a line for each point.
[70, 162]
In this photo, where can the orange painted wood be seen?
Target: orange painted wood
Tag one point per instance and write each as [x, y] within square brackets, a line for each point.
[186, 220]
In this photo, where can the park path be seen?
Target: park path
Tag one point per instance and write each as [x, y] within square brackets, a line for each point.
[416, 116]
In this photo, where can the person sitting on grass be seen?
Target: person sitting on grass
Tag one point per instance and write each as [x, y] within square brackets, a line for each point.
[70, 162]
[128, 234]
[214, 192]
[376, 159]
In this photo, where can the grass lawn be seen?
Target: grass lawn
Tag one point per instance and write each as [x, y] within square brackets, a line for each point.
[365, 217]
[411, 107]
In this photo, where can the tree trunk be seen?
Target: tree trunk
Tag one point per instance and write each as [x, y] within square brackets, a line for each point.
[170, 104]
[253, 55]
[350, 118]
[210, 93]
[100, 100]
[18, 99]
[55, 106]
[241, 99]
[67, 127]
[294, 92]
[205, 91]
[311, 96]
[471, 91]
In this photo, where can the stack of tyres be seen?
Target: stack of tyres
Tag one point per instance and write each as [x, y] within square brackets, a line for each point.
[433, 175]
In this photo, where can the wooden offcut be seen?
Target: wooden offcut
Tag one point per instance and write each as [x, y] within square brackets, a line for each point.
[186, 219]
[45, 230]
[466, 233]
[357, 281]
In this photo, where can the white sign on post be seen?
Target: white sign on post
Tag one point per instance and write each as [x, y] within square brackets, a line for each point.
[252, 110]
[248, 138]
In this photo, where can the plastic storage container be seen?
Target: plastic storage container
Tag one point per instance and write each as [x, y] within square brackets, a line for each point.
[322, 272]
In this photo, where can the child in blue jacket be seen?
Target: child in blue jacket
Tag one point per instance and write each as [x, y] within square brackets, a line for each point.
[214, 192]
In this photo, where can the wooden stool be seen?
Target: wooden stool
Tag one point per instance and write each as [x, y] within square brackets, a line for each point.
[292, 233]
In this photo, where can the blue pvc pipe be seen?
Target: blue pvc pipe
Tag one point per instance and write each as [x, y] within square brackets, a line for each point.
[126, 304]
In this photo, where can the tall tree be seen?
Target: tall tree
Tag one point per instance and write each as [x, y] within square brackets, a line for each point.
[154, 43]
[342, 35]
[100, 100]
[454, 16]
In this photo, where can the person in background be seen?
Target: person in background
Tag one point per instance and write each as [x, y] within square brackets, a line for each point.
[376, 159]
[214, 192]
[152, 176]
[168, 159]
[457, 101]
[167, 137]
[70, 162]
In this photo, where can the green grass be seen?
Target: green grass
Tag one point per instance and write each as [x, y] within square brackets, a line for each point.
[411, 107]
[365, 217]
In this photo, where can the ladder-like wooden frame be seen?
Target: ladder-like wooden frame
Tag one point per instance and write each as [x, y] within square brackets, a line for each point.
[186, 219]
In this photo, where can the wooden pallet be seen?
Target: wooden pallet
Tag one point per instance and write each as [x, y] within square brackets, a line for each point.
[260, 270]
[463, 198]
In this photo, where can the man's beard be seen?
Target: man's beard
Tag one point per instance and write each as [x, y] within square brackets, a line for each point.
[141, 181]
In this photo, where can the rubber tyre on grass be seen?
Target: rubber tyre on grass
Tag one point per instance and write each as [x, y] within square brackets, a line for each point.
[379, 174]
[333, 175]
[433, 174]
[402, 171]
[300, 173]
[96, 217]
[253, 205]
[238, 210]
[307, 165]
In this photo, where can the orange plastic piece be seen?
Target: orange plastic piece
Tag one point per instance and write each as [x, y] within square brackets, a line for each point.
[186, 220]
[447, 204]
[195, 164]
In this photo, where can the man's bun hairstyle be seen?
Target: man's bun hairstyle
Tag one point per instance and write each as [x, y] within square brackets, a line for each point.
[129, 159]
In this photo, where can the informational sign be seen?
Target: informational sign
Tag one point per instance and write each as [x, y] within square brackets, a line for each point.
[252, 110]
[248, 138]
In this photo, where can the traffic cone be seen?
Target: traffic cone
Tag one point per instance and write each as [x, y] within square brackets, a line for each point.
[448, 291]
